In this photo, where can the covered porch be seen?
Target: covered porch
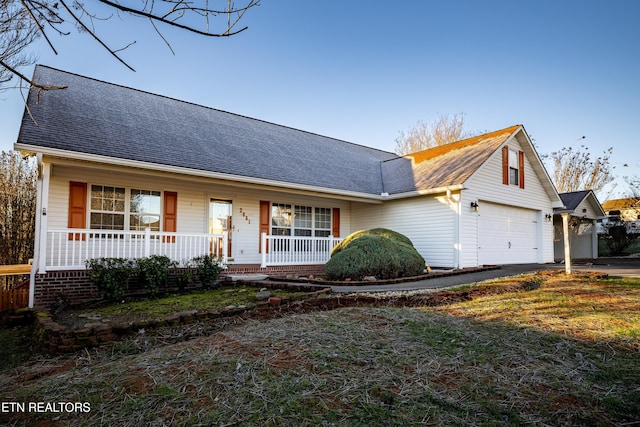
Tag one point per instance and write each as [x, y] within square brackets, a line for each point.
[71, 248]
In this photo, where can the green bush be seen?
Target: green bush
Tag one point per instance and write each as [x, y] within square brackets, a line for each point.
[153, 271]
[384, 232]
[381, 253]
[111, 275]
[208, 270]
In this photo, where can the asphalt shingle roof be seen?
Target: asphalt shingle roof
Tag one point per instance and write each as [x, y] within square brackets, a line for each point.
[572, 199]
[443, 166]
[95, 117]
[98, 118]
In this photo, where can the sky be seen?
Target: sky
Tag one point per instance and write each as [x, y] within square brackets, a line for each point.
[364, 71]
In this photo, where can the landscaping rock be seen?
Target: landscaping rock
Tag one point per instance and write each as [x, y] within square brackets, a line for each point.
[263, 295]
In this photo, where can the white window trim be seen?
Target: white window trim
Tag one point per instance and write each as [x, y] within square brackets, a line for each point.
[292, 227]
[127, 204]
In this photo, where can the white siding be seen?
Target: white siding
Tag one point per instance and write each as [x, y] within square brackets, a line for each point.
[430, 223]
[486, 186]
[193, 200]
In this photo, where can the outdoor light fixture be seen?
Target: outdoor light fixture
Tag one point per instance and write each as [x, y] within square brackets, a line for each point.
[474, 206]
[548, 217]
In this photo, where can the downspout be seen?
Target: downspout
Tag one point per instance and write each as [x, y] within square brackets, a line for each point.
[457, 246]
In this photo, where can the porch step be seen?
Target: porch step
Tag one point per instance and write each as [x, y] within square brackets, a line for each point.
[249, 277]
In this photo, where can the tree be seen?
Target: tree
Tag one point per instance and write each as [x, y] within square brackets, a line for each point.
[575, 170]
[17, 207]
[17, 31]
[443, 130]
[22, 21]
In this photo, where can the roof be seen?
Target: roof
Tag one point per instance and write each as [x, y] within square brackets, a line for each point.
[574, 199]
[445, 165]
[103, 119]
[621, 204]
[99, 121]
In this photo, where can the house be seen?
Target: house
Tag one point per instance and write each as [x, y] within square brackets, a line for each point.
[624, 212]
[583, 211]
[626, 209]
[128, 173]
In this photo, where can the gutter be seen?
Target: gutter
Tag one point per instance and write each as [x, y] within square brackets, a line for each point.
[231, 179]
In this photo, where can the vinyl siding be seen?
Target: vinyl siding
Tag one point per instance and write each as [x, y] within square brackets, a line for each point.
[486, 185]
[430, 223]
[193, 200]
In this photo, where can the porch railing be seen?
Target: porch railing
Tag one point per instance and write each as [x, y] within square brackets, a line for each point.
[69, 249]
[296, 250]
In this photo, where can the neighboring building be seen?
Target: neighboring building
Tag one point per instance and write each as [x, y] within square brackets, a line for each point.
[583, 210]
[130, 173]
[621, 212]
[627, 209]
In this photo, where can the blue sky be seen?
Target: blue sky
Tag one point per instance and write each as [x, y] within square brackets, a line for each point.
[363, 71]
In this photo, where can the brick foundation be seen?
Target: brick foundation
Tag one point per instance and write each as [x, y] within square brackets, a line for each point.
[75, 287]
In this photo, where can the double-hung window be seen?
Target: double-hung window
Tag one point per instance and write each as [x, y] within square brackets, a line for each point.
[514, 168]
[119, 208]
[298, 220]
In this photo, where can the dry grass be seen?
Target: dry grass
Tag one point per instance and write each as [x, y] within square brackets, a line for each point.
[520, 358]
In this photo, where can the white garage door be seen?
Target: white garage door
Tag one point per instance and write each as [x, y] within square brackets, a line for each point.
[507, 235]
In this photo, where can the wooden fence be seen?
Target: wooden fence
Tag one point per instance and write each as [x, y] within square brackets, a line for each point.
[14, 298]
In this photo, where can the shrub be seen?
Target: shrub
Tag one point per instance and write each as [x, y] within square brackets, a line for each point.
[208, 270]
[111, 275]
[384, 232]
[153, 272]
[381, 253]
[618, 239]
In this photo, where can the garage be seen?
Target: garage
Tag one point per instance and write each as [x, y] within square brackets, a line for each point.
[507, 235]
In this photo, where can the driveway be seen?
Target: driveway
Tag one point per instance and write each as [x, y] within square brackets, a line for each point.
[614, 267]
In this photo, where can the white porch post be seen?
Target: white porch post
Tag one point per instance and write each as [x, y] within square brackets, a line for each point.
[594, 239]
[225, 245]
[40, 243]
[263, 249]
[567, 246]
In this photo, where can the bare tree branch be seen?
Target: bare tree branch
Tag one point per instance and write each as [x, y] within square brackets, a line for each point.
[96, 38]
[424, 135]
[574, 169]
[31, 82]
[22, 21]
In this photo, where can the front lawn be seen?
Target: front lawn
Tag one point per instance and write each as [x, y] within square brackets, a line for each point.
[141, 310]
[566, 353]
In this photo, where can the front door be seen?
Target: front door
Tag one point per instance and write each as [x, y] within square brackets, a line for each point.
[220, 221]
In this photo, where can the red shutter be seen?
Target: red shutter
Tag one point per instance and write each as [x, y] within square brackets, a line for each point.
[505, 165]
[170, 213]
[521, 168]
[170, 221]
[265, 208]
[77, 208]
[335, 223]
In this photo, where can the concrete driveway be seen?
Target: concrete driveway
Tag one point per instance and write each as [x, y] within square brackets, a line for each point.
[614, 267]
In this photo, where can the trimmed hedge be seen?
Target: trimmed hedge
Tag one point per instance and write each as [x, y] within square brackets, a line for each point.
[382, 253]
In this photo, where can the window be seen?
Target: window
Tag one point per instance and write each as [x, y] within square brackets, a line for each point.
[281, 219]
[144, 210]
[514, 172]
[116, 208]
[303, 221]
[323, 222]
[107, 208]
[296, 220]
